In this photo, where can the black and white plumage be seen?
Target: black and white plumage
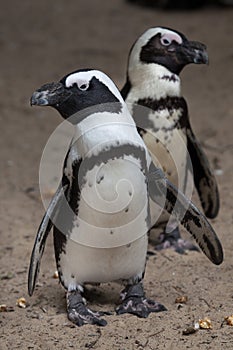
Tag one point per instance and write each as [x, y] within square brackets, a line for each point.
[100, 212]
[153, 81]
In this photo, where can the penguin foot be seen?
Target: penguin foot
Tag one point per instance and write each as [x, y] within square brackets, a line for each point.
[174, 241]
[134, 302]
[79, 314]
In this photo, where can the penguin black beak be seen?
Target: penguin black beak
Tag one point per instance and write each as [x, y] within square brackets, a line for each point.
[196, 52]
[51, 94]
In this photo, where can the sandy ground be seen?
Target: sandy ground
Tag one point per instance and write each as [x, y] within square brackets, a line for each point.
[41, 41]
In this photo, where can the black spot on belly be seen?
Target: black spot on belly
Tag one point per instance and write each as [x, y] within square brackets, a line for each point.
[111, 232]
[171, 78]
[126, 210]
[130, 193]
[98, 181]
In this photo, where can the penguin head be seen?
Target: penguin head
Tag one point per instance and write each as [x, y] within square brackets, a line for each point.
[167, 48]
[78, 91]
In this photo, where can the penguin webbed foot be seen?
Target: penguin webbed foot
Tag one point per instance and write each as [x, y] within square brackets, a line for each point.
[135, 302]
[79, 314]
[174, 241]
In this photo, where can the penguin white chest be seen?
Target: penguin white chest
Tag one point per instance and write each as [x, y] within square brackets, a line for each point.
[167, 144]
[108, 240]
[82, 264]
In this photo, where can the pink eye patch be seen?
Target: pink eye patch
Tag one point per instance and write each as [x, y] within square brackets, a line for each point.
[172, 36]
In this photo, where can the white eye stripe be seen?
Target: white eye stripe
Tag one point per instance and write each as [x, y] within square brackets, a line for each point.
[168, 37]
[85, 78]
[81, 83]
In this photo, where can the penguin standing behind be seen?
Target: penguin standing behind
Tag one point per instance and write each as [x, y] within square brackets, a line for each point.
[100, 212]
[155, 62]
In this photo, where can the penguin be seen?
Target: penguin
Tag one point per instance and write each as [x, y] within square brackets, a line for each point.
[100, 213]
[153, 94]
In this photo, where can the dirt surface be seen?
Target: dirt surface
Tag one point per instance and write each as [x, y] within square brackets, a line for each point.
[40, 42]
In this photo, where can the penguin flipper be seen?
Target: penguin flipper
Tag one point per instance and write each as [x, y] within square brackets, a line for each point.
[204, 178]
[126, 89]
[165, 194]
[42, 234]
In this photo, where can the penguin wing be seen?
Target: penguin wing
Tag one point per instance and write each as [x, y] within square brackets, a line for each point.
[165, 194]
[204, 178]
[126, 88]
[42, 234]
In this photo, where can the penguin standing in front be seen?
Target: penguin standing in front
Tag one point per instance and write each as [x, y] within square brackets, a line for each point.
[101, 210]
[153, 94]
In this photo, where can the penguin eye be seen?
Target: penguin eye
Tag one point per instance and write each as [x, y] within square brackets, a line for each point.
[165, 41]
[83, 86]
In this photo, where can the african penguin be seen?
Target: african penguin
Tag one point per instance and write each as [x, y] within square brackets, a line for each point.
[153, 94]
[100, 213]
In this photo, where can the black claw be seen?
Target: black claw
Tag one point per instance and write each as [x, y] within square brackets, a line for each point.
[140, 307]
[174, 241]
[79, 314]
[135, 302]
[87, 317]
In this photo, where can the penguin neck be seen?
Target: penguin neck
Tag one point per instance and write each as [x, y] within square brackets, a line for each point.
[151, 80]
[99, 131]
